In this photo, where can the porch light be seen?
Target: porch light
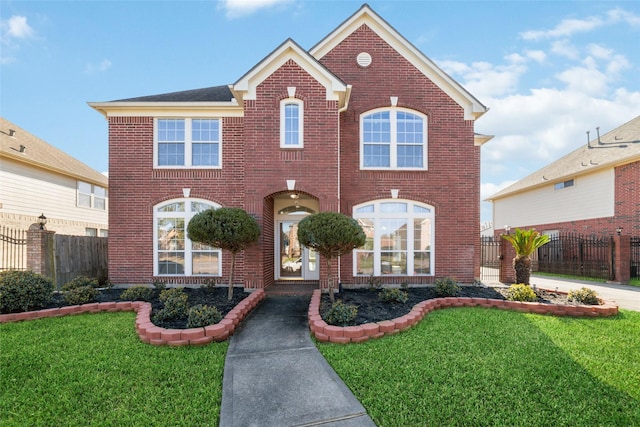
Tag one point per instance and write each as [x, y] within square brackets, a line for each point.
[619, 230]
[507, 228]
[294, 196]
[42, 220]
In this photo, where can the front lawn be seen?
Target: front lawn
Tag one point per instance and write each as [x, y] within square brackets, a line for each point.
[474, 366]
[93, 370]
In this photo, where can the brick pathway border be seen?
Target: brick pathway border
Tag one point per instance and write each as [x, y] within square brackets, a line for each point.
[354, 334]
[147, 331]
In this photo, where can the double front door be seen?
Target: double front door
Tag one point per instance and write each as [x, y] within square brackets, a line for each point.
[295, 261]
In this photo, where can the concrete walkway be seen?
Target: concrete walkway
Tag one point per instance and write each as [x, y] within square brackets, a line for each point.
[275, 376]
[625, 296]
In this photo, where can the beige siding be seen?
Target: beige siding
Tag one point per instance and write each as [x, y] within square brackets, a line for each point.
[26, 192]
[592, 196]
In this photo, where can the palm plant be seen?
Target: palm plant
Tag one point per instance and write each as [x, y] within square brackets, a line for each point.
[525, 242]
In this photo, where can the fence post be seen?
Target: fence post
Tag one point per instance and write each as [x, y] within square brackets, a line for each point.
[622, 258]
[40, 257]
[507, 254]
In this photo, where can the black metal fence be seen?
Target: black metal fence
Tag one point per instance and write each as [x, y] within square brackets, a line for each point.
[13, 249]
[489, 259]
[635, 258]
[577, 255]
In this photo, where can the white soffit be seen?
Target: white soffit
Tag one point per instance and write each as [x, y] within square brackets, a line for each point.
[473, 108]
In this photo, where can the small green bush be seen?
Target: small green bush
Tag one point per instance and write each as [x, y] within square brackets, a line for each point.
[341, 314]
[393, 295]
[521, 292]
[137, 293]
[159, 285]
[447, 287]
[175, 304]
[584, 296]
[375, 283]
[81, 295]
[80, 282]
[202, 315]
[24, 291]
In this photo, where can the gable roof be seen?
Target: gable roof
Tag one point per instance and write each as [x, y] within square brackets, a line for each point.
[473, 108]
[208, 94]
[26, 148]
[617, 147]
[245, 87]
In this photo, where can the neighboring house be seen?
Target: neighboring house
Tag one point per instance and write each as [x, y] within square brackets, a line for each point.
[37, 179]
[363, 123]
[593, 190]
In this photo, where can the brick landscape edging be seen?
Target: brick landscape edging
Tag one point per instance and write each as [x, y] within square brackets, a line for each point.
[147, 331]
[354, 334]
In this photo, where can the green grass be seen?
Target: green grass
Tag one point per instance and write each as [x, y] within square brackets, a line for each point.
[474, 366]
[92, 370]
[634, 281]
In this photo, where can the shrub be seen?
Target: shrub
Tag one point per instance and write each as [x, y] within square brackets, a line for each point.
[447, 287]
[24, 291]
[80, 282]
[374, 283]
[137, 293]
[584, 296]
[159, 285]
[81, 295]
[341, 314]
[521, 292]
[202, 315]
[392, 295]
[175, 305]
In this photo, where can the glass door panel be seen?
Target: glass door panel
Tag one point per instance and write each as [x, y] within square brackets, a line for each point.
[290, 250]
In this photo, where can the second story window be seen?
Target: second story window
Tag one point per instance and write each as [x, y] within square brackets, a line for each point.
[188, 143]
[393, 138]
[91, 196]
[291, 123]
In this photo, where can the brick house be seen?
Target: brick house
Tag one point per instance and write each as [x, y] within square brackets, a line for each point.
[594, 190]
[363, 123]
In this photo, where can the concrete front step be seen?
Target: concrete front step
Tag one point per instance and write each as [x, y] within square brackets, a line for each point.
[292, 288]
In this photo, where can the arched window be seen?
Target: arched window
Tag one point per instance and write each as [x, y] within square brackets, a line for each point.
[399, 238]
[291, 123]
[393, 138]
[174, 254]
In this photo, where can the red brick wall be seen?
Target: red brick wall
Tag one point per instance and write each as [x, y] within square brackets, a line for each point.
[626, 213]
[451, 184]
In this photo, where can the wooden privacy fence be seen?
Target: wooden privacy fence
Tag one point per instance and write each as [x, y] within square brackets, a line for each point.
[577, 255]
[80, 256]
[13, 249]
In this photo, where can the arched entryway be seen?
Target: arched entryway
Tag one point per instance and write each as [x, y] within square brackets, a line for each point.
[293, 262]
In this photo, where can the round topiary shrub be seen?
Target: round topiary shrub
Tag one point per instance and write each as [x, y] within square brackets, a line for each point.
[393, 295]
[447, 287]
[202, 315]
[584, 296]
[24, 291]
[80, 282]
[137, 293]
[81, 295]
[341, 314]
[521, 292]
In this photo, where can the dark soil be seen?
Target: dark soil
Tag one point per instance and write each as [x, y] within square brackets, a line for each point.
[372, 309]
[212, 296]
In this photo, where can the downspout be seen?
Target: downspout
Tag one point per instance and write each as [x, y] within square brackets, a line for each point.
[341, 110]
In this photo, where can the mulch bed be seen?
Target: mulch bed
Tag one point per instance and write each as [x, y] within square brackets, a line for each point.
[371, 309]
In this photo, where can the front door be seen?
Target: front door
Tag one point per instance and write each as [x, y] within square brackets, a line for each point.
[294, 260]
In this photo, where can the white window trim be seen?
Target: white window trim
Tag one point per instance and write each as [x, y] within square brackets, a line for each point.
[92, 196]
[394, 134]
[188, 252]
[188, 158]
[410, 215]
[300, 105]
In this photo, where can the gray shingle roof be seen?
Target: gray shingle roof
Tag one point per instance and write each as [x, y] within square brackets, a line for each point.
[43, 155]
[208, 94]
[619, 146]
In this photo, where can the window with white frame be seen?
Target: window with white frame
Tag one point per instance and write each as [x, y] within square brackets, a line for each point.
[563, 184]
[174, 254]
[188, 142]
[393, 138]
[91, 196]
[399, 238]
[291, 123]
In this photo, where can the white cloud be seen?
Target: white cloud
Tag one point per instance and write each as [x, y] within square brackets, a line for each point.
[17, 27]
[239, 8]
[565, 48]
[565, 28]
[537, 55]
[484, 79]
[621, 15]
[104, 65]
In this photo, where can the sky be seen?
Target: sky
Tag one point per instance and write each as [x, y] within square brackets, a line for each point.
[549, 71]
